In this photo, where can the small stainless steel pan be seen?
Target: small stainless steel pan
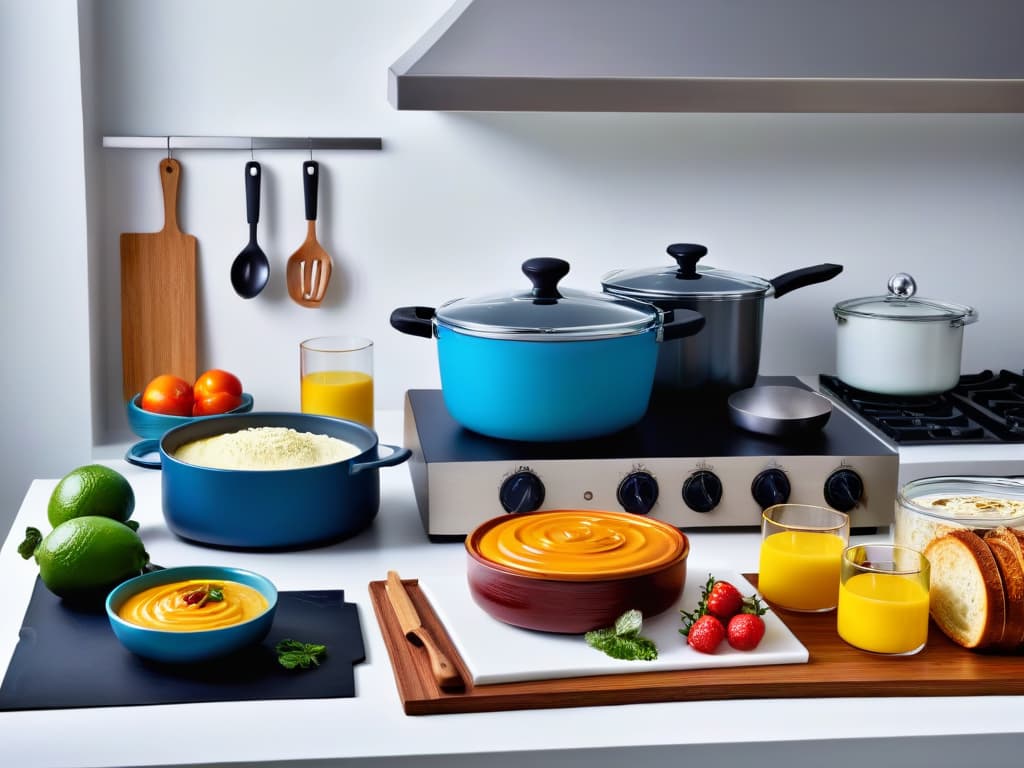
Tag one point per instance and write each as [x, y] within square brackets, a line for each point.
[779, 411]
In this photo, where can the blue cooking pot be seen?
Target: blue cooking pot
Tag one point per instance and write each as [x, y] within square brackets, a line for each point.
[276, 508]
[547, 363]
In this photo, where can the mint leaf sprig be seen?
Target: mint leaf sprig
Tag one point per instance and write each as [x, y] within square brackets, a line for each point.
[293, 654]
[623, 641]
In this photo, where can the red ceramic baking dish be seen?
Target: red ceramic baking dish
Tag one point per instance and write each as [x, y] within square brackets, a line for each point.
[570, 571]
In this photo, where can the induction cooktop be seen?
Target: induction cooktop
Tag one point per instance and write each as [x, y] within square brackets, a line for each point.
[685, 463]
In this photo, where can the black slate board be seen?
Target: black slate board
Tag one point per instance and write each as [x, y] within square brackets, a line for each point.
[70, 658]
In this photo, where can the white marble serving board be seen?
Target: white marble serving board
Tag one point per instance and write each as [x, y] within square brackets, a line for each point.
[496, 652]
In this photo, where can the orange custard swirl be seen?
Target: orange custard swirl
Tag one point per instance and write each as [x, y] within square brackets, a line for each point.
[580, 544]
[165, 606]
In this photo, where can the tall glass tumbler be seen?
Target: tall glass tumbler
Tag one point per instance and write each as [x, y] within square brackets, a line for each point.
[336, 377]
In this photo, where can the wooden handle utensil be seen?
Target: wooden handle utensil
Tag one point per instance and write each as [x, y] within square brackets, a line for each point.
[445, 673]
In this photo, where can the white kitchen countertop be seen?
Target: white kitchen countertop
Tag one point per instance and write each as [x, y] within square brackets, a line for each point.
[372, 725]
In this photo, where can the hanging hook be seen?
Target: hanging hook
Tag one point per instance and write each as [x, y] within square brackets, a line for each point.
[252, 155]
[310, 147]
[168, 147]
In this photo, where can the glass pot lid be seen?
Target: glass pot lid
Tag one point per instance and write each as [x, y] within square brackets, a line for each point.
[685, 280]
[546, 312]
[901, 304]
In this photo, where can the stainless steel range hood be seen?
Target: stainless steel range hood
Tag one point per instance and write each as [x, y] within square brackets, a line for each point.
[718, 56]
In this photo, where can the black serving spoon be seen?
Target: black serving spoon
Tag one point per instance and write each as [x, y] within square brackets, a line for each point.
[251, 269]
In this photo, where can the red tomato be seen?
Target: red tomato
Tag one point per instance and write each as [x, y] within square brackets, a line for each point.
[168, 394]
[215, 381]
[218, 402]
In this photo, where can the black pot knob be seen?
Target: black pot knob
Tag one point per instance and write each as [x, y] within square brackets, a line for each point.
[770, 487]
[702, 491]
[637, 492]
[843, 490]
[521, 491]
[544, 273]
[687, 255]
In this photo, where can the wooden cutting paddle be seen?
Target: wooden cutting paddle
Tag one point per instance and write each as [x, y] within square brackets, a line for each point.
[309, 269]
[158, 296]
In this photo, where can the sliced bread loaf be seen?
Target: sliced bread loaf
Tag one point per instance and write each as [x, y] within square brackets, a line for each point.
[967, 600]
[1006, 548]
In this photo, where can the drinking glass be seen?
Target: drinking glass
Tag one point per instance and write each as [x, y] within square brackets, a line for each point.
[883, 599]
[801, 548]
[336, 376]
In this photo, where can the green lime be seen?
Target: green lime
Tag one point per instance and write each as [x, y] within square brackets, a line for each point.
[91, 490]
[89, 553]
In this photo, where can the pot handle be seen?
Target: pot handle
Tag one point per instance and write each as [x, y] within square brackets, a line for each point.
[415, 321]
[137, 454]
[970, 317]
[800, 278]
[680, 323]
[397, 456]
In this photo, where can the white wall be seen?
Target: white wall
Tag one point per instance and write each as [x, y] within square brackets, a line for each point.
[45, 421]
[455, 202]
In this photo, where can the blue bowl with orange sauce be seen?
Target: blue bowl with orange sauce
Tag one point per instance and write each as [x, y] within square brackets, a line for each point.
[190, 646]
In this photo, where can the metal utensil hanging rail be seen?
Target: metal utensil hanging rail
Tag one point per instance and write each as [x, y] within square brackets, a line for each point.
[247, 143]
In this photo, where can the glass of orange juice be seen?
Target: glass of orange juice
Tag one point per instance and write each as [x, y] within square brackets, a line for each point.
[883, 599]
[337, 377]
[801, 548]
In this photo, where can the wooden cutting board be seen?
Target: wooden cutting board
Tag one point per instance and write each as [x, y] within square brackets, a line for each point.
[834, 669]
[158, 296]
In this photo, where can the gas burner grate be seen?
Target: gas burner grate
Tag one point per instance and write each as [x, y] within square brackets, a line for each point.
[984, 407]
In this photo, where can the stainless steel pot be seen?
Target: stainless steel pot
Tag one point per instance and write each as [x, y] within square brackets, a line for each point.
[726, 355]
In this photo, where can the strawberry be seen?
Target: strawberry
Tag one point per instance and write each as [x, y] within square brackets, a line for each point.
[706, 634]
[745, 631]
[724, 600]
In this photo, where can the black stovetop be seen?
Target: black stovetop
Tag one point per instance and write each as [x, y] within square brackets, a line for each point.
[984, 407]
[676, 426]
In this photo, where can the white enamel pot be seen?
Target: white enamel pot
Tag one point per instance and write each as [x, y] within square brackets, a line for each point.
[900, 344]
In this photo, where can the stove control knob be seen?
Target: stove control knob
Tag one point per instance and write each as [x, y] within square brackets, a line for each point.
[637, 492]
[770, 487]
[844, 489]
[522, 491]
[702, 491]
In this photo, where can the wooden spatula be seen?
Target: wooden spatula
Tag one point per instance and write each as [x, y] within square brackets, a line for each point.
[309, 268]
[158, 296]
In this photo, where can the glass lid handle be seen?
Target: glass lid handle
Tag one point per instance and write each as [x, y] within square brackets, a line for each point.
[544, 273]
[902, 286]
[687, 255]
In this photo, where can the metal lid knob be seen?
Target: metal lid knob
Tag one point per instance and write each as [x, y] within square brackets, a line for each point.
[902, 285]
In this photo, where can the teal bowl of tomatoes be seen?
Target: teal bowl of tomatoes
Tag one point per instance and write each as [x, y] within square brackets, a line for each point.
[151, 426]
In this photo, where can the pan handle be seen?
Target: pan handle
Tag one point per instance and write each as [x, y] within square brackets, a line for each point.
[680, 323]
[799, 278]
[415, 321]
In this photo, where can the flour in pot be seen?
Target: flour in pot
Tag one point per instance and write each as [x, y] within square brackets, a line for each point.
[266, 448]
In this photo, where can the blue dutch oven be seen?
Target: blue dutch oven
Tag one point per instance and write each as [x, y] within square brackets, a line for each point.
[274, 508]
[547, 363]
